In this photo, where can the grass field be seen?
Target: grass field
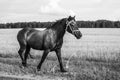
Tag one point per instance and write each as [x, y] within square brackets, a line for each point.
[96, 56]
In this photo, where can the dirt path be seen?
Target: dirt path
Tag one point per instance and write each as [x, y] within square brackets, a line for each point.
[5, 76]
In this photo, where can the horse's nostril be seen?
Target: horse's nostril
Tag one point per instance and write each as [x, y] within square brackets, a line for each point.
[80, 35]
[77, 34]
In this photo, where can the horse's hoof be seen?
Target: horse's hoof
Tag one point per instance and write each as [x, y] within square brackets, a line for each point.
[24, 65]
[38, 69]
[32, 57]
[63, 71]
[21, 66]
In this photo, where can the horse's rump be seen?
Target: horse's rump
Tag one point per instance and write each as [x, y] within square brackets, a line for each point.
[22, 35]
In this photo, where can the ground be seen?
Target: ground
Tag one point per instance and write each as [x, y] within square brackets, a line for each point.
[95, 56]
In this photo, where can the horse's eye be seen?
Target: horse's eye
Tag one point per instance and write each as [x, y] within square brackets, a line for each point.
[72, 24]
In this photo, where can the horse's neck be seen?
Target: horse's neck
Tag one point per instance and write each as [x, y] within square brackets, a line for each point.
[59, 31]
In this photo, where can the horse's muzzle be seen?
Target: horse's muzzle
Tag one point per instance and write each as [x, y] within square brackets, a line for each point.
[78, 34]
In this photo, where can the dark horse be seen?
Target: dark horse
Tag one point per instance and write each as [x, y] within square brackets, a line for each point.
[50, 39]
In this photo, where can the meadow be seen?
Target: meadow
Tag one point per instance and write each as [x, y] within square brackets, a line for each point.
[96, 56]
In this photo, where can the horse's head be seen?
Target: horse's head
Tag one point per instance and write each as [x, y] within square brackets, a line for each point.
[71, 27]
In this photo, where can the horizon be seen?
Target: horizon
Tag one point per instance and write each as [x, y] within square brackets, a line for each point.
[56, 20]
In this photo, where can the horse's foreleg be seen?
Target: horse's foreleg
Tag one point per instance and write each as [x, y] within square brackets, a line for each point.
[58, 53]
[25, 56]
[45, 53]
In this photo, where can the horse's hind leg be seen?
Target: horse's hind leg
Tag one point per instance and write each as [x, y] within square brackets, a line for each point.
[21, 52]
[26, 55]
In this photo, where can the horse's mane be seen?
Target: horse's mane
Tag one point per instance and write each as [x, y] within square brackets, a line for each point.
[57, 22]
[60, 20]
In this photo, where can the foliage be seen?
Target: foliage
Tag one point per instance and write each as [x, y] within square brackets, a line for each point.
[81, 24]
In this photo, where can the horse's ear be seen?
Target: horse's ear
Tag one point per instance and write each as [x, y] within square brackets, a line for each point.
[69, 18]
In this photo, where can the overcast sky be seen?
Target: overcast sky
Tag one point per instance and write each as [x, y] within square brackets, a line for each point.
[50, 10]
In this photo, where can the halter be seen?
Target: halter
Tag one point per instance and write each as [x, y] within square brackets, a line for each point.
[68, 24]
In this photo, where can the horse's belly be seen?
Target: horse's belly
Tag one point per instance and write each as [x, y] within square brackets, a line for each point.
[36, 44]
[37, 47]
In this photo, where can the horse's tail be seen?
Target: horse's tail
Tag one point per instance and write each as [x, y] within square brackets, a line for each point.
[22, 36]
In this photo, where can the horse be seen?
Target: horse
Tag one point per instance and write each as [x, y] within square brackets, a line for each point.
[50, 39]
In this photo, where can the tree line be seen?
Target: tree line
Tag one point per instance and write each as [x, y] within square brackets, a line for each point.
[81, 24]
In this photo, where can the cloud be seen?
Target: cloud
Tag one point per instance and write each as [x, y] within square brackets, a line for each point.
[44, 10]
[52, 7]
[90, 1]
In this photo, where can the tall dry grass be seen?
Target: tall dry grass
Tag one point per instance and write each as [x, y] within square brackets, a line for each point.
[95, 43]
[95, 56]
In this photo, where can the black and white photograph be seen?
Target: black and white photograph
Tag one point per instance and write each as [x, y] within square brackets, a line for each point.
[59, 39]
